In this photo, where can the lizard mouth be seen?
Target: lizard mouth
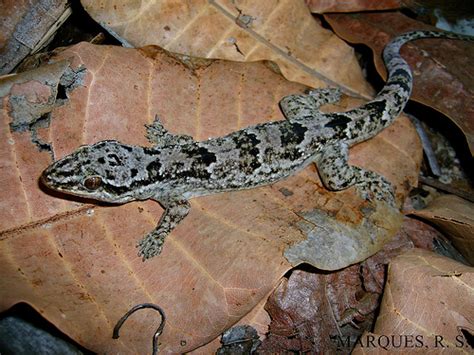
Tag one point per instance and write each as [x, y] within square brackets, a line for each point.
[44, 178]
[48, 180]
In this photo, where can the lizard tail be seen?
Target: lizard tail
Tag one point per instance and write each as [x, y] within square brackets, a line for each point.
[380, 112]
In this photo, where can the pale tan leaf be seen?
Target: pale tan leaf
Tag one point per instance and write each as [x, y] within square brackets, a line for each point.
[427, 300]
[77, 263]
[281, 31]
[455, 217]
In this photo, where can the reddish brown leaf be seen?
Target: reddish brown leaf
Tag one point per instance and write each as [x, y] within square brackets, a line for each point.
[305, 313]
[77, 264]
[443, 74]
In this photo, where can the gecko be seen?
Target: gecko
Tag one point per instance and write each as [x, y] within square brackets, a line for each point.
[177, 168]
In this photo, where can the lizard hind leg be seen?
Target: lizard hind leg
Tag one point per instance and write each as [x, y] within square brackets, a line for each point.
[158, 135]
[337, 174]
[306, 106]
[152, 244]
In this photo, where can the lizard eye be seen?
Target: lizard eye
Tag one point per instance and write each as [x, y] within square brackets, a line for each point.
[93, 182]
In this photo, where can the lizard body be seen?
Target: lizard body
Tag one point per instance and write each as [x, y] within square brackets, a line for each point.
[178, 168]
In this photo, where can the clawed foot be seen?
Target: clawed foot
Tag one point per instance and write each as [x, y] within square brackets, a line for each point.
[151, 245]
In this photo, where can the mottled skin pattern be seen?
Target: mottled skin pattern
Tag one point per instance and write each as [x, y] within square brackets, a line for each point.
[178, 168]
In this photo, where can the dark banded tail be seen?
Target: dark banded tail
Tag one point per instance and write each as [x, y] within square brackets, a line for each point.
[380, 112]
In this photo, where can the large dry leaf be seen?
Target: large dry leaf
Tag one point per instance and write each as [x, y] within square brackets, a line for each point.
[428, 298]
[323, 6]
[443, 70]
[26, 26]
[454, 216]
[77, 263]
[281, 31]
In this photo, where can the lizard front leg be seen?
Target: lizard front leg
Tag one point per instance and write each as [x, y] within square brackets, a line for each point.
[157, 134]
[175, 211]
[337, 174]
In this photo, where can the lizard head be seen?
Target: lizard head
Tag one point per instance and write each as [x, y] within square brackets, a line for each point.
[103, 171]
